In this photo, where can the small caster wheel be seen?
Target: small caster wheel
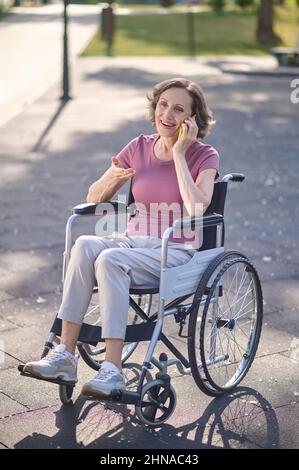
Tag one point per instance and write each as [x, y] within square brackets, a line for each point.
[65, 394]
[158, 401]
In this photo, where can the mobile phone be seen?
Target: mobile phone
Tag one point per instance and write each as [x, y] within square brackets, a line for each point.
[181, 129]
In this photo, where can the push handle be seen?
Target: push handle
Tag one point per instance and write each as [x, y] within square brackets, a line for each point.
[235, 177]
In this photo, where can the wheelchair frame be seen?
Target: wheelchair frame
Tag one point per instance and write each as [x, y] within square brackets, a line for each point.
[176, 285]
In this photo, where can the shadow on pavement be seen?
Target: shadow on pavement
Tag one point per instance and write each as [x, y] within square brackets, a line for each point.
[124, 76]
[44, 134]
[244, 419]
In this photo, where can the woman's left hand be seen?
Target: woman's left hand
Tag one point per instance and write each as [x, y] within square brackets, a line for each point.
[187, 137]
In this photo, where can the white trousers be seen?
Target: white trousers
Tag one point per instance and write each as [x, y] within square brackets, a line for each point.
[116, 264]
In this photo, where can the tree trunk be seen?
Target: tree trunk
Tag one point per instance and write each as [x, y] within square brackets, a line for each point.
[265, 34]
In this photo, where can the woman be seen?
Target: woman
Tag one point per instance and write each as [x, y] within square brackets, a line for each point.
[169, 167]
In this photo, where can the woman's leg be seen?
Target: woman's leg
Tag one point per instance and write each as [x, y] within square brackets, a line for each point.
[114, 349]
[79, 284]
[69, 335]
[78, 289]
[116, 269]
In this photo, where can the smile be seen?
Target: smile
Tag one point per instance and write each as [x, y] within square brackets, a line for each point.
[167, 125]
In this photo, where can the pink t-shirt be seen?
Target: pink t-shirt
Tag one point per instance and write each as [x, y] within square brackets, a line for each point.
[155, 185]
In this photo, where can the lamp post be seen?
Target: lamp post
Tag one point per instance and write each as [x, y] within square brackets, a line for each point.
[190, 28]
[107, 26]
[65, 76]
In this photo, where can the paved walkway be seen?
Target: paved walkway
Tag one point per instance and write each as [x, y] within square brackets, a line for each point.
[31, 60]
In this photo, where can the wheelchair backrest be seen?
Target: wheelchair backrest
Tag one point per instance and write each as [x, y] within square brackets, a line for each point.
[217, 205]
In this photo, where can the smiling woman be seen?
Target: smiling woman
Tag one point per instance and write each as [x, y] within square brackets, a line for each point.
[194, 102]
[172, 176]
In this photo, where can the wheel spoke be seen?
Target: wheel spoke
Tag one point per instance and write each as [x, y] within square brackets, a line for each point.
[163, 396]
[151, 412]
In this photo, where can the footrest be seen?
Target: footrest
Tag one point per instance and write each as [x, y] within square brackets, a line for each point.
[118, 396]
[54, 381]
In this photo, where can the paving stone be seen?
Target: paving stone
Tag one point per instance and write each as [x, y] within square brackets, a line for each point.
[280, 385]
[9, 407]
[284, 320]
[25, 344]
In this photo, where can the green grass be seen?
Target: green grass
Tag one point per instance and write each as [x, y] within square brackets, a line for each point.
[287, 24]
[4, 11]
[232, 32]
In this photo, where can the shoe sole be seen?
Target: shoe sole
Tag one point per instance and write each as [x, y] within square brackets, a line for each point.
[32, 372]
[90, 392]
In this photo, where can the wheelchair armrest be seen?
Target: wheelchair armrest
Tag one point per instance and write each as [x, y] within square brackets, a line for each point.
[90, 208]
[84, 209]
[208, 220]
[235, 177]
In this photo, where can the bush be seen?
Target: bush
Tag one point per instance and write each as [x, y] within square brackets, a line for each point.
[217, 5]
[245, 3]
[167, 3]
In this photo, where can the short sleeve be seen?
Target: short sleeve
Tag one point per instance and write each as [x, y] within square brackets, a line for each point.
[125, 156]
[210, 161]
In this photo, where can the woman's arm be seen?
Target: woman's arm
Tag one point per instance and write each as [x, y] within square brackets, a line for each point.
[112, 180]
[194, 193]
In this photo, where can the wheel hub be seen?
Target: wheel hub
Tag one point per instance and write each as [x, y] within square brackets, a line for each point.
[225, 323]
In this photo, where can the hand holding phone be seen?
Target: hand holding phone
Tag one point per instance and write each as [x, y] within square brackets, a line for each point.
[181, 128]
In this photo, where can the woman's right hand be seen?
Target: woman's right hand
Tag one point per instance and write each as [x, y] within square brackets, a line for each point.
[119, 172]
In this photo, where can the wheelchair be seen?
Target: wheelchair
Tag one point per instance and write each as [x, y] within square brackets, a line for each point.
[216, 295]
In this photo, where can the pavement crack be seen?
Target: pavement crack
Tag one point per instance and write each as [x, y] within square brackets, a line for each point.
[29, 410]
[291, 358]
[14, 323]
[272, 354]
[4, 445]
[13, 399]
[10, 355]
[284, 405]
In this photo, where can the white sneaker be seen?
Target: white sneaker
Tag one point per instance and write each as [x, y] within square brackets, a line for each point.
[107, 379]
[58, 364]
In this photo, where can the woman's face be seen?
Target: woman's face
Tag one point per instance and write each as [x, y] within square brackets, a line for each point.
[173, 107]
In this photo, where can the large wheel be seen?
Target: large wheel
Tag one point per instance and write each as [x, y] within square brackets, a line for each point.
[94, 356]
[195, 320]
[231, 325]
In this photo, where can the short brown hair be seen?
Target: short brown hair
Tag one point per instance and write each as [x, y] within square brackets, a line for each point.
[204, 117]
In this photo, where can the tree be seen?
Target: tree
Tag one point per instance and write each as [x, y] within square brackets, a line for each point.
[217, 5]
[265, 34]
[244, 3]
